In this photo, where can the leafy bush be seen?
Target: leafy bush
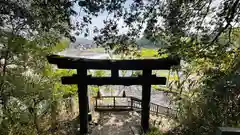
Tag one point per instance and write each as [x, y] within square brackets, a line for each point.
[155, 131]
[215, 104]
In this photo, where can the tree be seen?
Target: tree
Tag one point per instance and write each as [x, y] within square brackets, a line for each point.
[201, 34]
[29, 30]
[31, 87]
[59, 92]
[211, 102]
[35, 16]
[28, 33]
[164, 18]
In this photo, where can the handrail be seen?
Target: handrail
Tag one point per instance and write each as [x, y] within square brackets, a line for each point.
[133, 103]
[114, 96]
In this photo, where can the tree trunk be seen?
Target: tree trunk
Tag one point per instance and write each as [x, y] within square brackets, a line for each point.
[33, 112]
[71, 104]
[4, 97]
[54, 115]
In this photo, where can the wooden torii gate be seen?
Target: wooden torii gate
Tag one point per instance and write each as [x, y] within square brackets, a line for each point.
[83, 80]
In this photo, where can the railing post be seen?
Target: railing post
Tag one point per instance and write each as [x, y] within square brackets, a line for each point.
[114, 104]
[157, 110]
[96, 103]
[131, 103]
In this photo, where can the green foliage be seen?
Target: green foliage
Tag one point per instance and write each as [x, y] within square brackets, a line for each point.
[99, 73]
[34, 17]
[168, 20]
[55, 81]
[148, 53]
[154, 131]
[214, 105]
[29, 85]
[30, 30]
[97, 49]
[148, 43]
[208, 91]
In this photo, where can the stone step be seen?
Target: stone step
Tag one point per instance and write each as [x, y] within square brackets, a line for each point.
[136, 130]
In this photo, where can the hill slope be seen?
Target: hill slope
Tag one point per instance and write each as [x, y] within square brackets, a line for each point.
[82, 43]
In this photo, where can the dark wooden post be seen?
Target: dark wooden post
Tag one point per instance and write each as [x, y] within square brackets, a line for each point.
[96, 103]
[131, 103]
[114, 73]
[124, 94]
[83, 102]
[146, 93]
[157, 110]
[114, 104]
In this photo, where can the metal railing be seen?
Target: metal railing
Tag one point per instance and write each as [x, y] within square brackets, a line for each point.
[112, 102]
[128, 103]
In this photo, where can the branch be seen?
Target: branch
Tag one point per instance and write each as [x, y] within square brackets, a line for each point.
[229, 34]
[229, 19]
[172, 91]
[205, 15]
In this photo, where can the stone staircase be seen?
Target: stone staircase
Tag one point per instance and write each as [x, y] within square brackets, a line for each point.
[117, 123]
[124, 123]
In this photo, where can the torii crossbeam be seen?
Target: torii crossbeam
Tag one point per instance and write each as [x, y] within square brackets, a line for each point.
[83, 80]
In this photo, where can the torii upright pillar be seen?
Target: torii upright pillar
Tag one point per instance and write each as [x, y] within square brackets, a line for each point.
[83, 102]
[146, 94]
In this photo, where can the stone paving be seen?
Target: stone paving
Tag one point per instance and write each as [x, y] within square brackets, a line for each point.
[117, 123]
[126, 123]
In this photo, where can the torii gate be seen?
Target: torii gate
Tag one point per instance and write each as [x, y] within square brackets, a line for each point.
[83, 80]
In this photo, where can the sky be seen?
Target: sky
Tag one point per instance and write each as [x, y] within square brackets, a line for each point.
[98, 21]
